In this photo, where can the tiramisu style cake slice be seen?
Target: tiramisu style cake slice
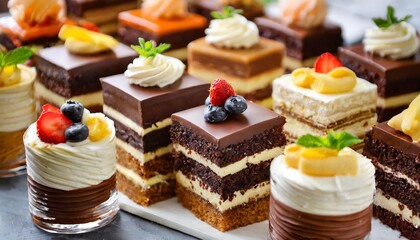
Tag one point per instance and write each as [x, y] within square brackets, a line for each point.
[222, 158]
[394, 149]
[141, 102]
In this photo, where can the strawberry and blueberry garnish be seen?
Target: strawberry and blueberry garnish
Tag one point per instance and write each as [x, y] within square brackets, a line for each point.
[222, 101]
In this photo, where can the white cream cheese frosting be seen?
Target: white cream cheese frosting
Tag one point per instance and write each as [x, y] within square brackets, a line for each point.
[158, 71]
[396, 42]
[233, 32]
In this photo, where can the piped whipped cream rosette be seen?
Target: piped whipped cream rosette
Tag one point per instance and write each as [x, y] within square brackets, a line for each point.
[303, 13]
[35, 12]
[152, 68]
[392, 37]
[165, 8]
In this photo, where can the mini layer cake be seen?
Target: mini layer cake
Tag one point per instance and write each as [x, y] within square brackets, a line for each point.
[391, 62]
[32, 22]
[141, 102]
[223, 168]
[321, 189]
[102, 13]
[163, 21]
[395, 153]
[233, 50]
[251, 8]
[302, 29]
[73, 70]
[328, 97]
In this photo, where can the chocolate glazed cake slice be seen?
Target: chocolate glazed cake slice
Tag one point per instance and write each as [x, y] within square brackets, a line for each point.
[223, 168]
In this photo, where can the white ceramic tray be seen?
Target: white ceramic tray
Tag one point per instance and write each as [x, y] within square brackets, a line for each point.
[171, 214]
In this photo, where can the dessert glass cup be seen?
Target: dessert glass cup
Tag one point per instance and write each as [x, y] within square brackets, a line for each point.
[12, 154]
[71, 212]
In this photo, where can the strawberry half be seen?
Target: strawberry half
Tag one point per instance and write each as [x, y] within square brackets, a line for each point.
[220, 90]
[49, 108]
[51, 127]
[326, 63]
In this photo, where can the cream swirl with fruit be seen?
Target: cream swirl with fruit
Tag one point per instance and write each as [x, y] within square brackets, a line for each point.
[392, 37]
[70, 148]
[165, 8]
[152, 68]
[36, 12]
[303, 13]
[17, 107]
[229, 29]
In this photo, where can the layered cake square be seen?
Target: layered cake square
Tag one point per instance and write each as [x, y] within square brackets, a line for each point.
[104, 14]
[251, 8]
[395, 155]
[162, 21]
[306, 36]
[222, 169]
[64, 74]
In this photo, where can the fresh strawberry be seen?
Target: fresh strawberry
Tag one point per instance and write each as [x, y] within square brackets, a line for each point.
[220, 90]
[51, 127]
[326, 62]
[49, 108]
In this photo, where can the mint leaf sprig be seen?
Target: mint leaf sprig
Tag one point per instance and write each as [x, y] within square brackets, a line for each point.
[390, 19]
[15, 57]
[333, 140]
[146, 48]
[226, 12]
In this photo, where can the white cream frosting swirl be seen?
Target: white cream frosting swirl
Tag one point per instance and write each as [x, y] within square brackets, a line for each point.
[68, 166]
[17, 105]
[159, 70]
[396, 42]
[303, 13]
[34, 12]
[233, 32]
[338, 195]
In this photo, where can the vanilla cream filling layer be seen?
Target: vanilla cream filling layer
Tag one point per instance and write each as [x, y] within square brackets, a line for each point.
[90, 99]
[180, 53]
[397, 101]
[231, 168]
[109, 111]
[258, 191]
[393, 205]
[241, 85]
[399, 175]
[143, 157]
[144, 183]
[293, 63]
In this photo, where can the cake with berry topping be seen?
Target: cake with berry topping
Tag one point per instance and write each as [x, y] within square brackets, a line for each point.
[321, 189]
[141, 102]
[223, 152]
[71, 163]
[390, 58]
[162, 21]
[326, 97]
[232, 49]
[73, 70]
[301, 26]
[394, 149]
[17, 109]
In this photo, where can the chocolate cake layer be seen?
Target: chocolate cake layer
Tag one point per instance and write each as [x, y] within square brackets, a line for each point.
[234, 146]
[256, 210]
[139, 103]
[393, 149]
[385, 114]
[396, 222]
[70, 75]
[146, 197]
[160, 165]
[148, 143]
[205, 7]
[259, 94]
[392, 77]
[302, 43]
[78, 7]
[181, 39]
[228, 185]
[288, 223]
[70, 207]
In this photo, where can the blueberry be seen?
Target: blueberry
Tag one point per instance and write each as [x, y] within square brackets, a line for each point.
[207, 102]
[77, 132]
[214, 114]
[236, 104]
[72, 110]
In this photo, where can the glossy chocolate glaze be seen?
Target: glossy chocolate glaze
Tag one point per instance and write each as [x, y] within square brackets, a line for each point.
[302, 43]
[146, 106]
[78, 7]
[288, 223]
